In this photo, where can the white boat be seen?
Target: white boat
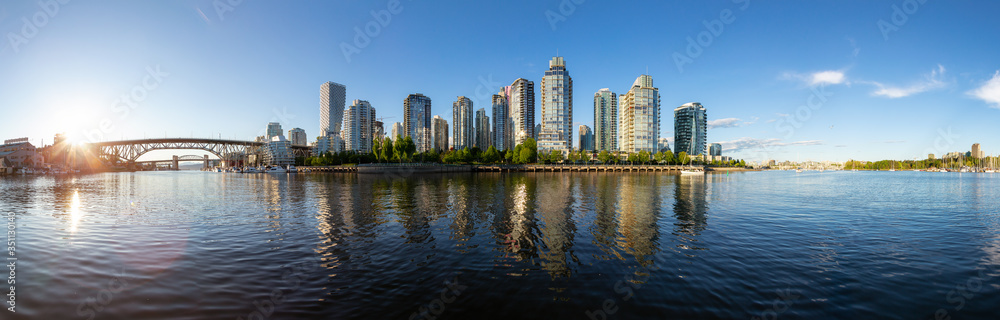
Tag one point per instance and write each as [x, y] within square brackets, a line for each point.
[692, 172]
[276, 169]
[250, 170]
[292, 169]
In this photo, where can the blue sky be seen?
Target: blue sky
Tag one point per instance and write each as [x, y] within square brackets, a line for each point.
[817, 80]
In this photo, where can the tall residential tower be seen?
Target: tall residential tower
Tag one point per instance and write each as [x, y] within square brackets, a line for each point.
[417, 120]
[557, 108]
[690, 129]
[639, 117]
[463, 128]
[605, 120]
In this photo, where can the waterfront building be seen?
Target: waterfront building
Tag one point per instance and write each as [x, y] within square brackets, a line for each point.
[586, 138]
[324, 144]
[439, 127]
[664, 144]
[378, 130]
[483, 134]
[463, 128]
[500, 121]
[417, 120]
[20, 153]
[690, 128]
[278, 151]
[332, 101]
[639, 117]
[715, 149]
[397, 130]
[605, 120]
[359, 118]
[521, 99]
[555, 128]
[976, 152]
[273, 130]
[298, 137]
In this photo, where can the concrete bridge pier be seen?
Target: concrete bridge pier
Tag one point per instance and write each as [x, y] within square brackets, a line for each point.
[175, 166]
[206, 163]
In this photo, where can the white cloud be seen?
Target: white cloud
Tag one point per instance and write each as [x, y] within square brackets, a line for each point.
[931, 81]
[818, 78]
[724, 123]
[751, 143]
[827, 77]
[990, 91]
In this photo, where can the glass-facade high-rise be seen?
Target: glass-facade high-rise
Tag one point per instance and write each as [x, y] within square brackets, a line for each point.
[639, 117]
[439, 127]
[483, 134]
[463, 129]
[417, 120]
[273, 130]
[500, 121]
[397, 130]
[605, 120]
[521, 99]
[359, 121]
[298, 137]
[557, 108]
[715, 149]
[690, 129]
[332, 100]
[586, 138]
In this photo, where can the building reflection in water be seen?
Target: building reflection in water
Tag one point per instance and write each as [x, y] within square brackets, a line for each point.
[638, 207]
[557, 229]
[690, 208]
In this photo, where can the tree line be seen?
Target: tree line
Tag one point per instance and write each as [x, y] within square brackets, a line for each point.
[403, 150]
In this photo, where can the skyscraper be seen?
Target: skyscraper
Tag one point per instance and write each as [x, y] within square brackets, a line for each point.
[690, 128]
[332, 100]
[439, 126]
[297, 136]
[273, 130]
[378, 130]
[462, 126]
[417, 120]
[397, 130]
[359, 120]
[521, 99]
[483, 134]
[605, 120]
[557, 108]
[715, 149]
[586, 138]
[639, 117]
[976, 152]
[500, 125]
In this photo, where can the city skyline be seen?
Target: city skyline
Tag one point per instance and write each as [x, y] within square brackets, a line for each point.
[825, 98]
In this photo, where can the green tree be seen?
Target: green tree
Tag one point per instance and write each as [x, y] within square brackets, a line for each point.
[517, 154]
[529, 151]
[643, 157]
[683, 158]
[387, 150]
[604, 156]
[509, 156]
[377, 149]
[574, 157]
[555, 156]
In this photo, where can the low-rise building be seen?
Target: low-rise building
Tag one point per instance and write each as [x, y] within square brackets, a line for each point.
[19, 153]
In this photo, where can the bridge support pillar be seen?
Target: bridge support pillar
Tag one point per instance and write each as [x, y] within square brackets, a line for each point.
[175, 164]
[206, 163]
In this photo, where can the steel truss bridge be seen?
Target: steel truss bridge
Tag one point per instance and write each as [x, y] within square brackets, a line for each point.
[129, 151]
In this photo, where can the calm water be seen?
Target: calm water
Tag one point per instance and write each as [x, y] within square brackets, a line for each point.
[197, 245]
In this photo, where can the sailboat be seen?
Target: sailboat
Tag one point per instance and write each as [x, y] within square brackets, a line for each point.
[893, 166]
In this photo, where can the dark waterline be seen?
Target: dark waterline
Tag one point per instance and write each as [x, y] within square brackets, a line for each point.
[199, 245]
